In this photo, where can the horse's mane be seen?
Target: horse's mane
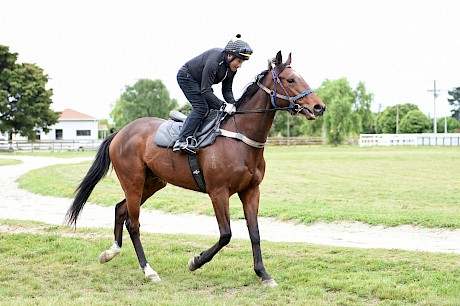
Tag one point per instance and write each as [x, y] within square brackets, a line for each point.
[251, 88]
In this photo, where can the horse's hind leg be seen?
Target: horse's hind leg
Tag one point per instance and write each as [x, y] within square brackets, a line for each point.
[134, 201]
[221, 208]
[121, 214]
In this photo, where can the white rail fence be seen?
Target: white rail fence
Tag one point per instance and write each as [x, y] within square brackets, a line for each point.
[425, 139]
[49, 145]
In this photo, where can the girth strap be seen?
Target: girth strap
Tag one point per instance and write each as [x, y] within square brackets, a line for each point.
[196, 172]
[246, 140]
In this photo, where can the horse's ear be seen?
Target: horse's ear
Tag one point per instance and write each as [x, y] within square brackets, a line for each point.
[278, 59]
[288, 62]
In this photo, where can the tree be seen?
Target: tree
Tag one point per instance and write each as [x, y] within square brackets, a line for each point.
[146, 98]
[386, 121]
[455, 102]
[280, 124]
[415, 122]
[452, 124]
[24, 100]
[339, 98]
[362, 108]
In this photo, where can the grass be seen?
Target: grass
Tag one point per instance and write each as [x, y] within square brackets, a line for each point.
[56, 266]
[8, 162]
[390, 186]
[61, 154]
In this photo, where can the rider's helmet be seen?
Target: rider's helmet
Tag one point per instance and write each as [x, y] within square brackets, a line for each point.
[238, 48]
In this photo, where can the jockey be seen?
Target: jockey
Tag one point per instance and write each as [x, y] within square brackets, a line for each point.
[196, 78]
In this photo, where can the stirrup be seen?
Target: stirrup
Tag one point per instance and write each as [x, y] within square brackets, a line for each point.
[188, 146]
[178, 145]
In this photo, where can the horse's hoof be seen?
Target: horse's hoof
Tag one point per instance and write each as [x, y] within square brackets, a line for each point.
[150, 273]
[103, 258]
[191, 264]
[154, 277]
[109, 254]
[269, 283]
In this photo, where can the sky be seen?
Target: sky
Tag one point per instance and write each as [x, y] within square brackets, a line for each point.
[92, 49]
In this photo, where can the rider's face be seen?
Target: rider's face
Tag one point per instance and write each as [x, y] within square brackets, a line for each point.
[236, 63]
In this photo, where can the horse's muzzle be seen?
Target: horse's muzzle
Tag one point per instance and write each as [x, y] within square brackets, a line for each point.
[318, 109]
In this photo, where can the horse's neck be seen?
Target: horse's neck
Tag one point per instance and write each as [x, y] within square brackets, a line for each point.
[254, 125]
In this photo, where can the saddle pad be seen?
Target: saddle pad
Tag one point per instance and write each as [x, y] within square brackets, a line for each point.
[205, 136]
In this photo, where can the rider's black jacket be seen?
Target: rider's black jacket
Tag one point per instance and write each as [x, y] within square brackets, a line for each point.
[212, 67]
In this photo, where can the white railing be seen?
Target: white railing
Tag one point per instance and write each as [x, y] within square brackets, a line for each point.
[49, 145]
[425, 139]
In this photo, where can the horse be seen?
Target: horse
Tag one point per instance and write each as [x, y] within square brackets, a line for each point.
[232, 164]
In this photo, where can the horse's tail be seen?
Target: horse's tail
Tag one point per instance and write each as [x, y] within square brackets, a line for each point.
[98, 170]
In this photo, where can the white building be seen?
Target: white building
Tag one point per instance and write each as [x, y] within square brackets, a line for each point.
[72, 125]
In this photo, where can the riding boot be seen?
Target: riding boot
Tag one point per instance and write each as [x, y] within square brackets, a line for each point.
[186, 140]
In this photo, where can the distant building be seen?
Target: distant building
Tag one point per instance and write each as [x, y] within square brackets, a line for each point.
[72, 125]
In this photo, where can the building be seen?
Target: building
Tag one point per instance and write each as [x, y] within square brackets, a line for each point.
[72, 125]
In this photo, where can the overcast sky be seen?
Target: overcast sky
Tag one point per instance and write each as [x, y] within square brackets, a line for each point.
[92, 49]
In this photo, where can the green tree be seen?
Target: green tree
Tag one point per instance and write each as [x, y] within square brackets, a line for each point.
[415, 122]
[386, 121]
[339, 98]
[146, 98]
[280, 125]
[364, 118]
[452, 124]
[24, 100]
[455, 102]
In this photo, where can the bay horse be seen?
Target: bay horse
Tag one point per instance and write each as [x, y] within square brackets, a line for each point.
[229, 166]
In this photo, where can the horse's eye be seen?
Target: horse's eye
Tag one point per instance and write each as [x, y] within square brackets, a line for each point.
[290, 80]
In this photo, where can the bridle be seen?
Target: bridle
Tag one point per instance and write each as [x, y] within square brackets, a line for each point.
[293, 107]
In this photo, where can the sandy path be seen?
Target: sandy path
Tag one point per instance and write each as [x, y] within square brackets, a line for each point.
[22, 205]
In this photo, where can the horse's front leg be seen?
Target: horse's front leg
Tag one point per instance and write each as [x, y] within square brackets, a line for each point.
[220, 203]
[250, 199]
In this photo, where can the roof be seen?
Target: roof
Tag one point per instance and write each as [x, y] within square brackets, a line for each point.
[70, 114]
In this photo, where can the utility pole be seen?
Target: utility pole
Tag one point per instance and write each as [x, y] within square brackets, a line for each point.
[435, 95]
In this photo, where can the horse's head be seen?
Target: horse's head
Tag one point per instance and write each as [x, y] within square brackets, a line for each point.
[291, 90]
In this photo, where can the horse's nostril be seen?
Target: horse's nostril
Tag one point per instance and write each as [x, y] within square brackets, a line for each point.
[318, 109]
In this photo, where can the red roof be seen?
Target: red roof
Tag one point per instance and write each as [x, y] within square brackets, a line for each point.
[70, 114]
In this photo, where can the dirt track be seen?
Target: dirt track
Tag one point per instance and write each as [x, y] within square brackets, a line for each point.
[22, 205]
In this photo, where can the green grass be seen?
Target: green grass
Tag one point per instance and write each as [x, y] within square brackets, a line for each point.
[63, 154]
[56, 266]
[390, 186]
[7, 162]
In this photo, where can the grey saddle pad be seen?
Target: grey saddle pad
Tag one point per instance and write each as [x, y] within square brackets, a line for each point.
[205, 135]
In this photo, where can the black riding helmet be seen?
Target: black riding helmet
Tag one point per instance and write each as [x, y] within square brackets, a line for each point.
[238, 48]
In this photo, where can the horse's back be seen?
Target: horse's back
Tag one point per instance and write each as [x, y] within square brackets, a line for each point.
[132, 140]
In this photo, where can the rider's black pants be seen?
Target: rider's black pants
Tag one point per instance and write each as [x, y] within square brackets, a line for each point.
[192, 91]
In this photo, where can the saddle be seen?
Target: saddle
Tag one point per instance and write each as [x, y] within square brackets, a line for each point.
[205, 135]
